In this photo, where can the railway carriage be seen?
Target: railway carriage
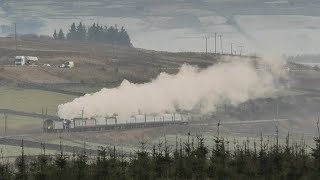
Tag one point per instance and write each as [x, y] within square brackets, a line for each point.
[111, 123]
[52, 125]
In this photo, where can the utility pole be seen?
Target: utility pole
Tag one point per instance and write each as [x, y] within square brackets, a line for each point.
[241, 49]
[82, 112]
[318, 125]
[221, 43]
[215, 43]
[277, 129]
[206, 38]
[218, 127]
[15, 35]
[231, 50]
[5, 123]
[42, 113]
[145, 120]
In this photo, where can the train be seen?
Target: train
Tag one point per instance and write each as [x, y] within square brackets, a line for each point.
[111, 123]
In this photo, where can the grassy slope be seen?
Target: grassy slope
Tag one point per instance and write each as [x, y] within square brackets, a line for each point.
[30, 100]
[16, 124]
[7, 150]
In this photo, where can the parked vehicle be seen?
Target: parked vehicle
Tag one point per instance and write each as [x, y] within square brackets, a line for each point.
[25, 60]
[68, 64]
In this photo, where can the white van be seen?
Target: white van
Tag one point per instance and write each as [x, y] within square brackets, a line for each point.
[25, 60]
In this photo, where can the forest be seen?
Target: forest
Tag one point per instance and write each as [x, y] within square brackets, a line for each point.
[191, 160]
[96, 33]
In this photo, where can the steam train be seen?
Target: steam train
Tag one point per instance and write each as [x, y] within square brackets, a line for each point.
[110, 123]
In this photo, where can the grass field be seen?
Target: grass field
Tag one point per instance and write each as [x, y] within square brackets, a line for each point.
[16, 124]
[6, 150]
[92, 145]
[82, 88]
[30, 100]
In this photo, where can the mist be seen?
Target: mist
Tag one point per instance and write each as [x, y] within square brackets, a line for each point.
[233, 81]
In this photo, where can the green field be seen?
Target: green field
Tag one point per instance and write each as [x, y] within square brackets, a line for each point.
[30, 100]
[6, 150]
[16, 124]
[82, 89]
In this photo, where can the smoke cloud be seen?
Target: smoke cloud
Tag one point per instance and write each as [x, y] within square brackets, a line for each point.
[232, 81]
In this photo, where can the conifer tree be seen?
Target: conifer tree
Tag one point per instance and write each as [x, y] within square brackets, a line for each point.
[81, 33]
[92, 32]
[72, 34]
[55, 35]
[61, 35]
[21, 165]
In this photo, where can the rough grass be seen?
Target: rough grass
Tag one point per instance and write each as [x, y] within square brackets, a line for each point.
[7, 151]
[82, 88]
[17, 124]
[30, 100]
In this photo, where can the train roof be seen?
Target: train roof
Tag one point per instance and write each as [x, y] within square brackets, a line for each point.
[55, 120]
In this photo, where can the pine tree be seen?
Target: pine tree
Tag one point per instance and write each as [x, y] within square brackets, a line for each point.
[140, 168]
[5, 172]
[81, 33]
[91, 32]
[98, 33]
[55, 35]
[61, 35]
[101, 171]
[21, 165]
[72, 34]
[60, 163]
[124, 37]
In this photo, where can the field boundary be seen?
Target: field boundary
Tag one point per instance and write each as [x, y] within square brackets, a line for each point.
[27, 114]
[48, 88]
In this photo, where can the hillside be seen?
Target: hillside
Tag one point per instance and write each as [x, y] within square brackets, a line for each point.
[28, 93]
[178, 25]
[94, 63]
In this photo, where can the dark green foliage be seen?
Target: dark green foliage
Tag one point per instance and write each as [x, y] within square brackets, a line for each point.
[140, 167]
[72, 34]
[316, 156]
[97, 33]
[191, 160]
[61, 35]
[40, 167]
[55, 35]
[5, 171]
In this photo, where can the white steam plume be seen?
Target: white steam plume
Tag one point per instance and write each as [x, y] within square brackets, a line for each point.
[234, 81]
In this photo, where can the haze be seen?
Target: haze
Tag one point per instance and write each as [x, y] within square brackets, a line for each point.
[284, 27]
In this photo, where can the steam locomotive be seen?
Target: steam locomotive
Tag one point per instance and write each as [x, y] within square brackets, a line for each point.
[111, 123]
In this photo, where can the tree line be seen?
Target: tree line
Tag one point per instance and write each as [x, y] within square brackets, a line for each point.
[96, 32]
[189, 160]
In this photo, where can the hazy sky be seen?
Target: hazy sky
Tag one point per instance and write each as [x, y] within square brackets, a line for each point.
[285, 27]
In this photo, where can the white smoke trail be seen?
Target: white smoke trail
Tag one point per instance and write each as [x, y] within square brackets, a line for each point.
[233, 81]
